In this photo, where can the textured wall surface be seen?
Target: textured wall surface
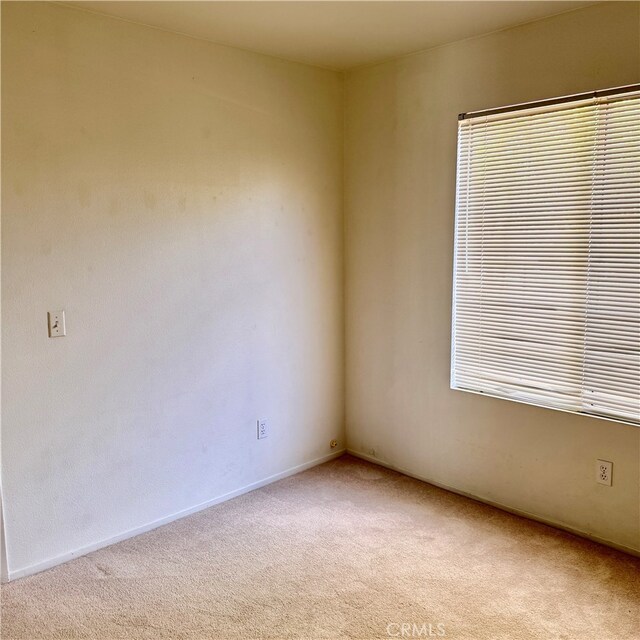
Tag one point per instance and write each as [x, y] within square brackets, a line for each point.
[400, 193]
[182, 202]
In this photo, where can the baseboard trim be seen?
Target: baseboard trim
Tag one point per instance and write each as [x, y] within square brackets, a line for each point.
[518, 512]
[101, 544]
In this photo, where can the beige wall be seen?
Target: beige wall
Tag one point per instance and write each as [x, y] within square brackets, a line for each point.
[182, 202]
[400, 185]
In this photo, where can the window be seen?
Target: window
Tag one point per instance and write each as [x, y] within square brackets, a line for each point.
[546, 306]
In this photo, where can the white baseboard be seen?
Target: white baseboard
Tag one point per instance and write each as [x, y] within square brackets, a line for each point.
[4, 572]
[70, 555]
[498, 505]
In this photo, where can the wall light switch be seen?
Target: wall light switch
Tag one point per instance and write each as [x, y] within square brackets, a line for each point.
[57, 327]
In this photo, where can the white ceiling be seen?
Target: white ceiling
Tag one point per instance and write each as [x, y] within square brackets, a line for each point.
[338, 35]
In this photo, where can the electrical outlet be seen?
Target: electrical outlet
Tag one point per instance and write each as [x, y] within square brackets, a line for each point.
[604, 471]
[263, 431]
[57, 327]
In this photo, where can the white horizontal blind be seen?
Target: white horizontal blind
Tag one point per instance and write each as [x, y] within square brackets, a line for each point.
[547, 261]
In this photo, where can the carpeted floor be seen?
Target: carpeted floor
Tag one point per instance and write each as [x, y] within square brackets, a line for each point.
[345, 550]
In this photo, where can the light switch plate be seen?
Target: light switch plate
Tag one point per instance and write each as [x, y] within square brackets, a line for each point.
[57, 327]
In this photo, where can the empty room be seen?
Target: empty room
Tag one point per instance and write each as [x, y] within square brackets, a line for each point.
[320, 320]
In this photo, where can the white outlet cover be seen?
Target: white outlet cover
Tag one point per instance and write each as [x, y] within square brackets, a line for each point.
[263, 431]
[604, 471]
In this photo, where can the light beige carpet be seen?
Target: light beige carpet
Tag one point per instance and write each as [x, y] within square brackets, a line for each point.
[345, 550]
